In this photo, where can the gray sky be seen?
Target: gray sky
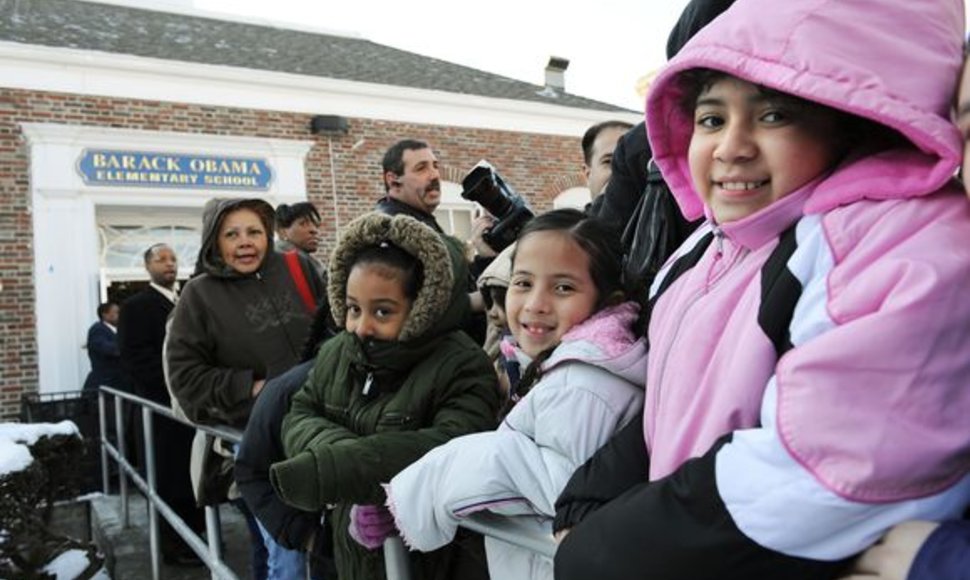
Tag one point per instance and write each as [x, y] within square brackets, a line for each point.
[610, 43]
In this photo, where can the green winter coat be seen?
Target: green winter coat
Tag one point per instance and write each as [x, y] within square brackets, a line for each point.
[432, 385]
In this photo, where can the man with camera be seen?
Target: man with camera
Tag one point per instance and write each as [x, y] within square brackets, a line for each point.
[412, 183]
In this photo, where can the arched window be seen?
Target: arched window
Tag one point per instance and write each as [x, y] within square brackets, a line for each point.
[123, 249]
[455, 213]
[126, 232]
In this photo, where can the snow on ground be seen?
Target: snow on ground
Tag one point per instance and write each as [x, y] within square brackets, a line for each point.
[16, 437]
[29, 433]
[71, 564]
[15, 456]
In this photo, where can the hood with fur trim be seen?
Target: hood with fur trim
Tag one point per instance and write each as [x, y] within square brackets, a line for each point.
[437, 307]
[850, 55]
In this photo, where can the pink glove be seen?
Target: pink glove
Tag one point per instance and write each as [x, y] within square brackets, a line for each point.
[370, 525]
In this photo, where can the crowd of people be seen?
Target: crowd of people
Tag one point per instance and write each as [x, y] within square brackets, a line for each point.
[747, 358]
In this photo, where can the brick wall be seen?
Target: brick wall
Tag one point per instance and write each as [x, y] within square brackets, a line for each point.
[537, 166]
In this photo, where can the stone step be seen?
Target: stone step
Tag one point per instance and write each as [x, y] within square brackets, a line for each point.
[127, 551]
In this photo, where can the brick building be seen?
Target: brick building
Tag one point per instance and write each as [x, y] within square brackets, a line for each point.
[117, 123]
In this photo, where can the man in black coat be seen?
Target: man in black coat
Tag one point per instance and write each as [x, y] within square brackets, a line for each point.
[141, 333]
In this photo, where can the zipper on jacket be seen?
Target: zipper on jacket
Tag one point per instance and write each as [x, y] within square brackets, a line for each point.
[361, 403]
[718, 241]
[722, 262]
[709, 282]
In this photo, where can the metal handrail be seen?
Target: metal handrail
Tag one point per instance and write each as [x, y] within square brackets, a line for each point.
[512, 530]
[211, 554]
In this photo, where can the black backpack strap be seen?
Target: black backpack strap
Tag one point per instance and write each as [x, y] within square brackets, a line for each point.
[780, 292]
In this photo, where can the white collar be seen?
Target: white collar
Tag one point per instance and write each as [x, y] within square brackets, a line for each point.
[171, 293]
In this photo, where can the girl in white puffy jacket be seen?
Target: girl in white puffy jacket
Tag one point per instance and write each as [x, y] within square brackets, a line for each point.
[582, 379]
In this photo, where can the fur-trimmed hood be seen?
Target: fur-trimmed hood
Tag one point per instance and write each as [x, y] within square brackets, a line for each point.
[436, 305]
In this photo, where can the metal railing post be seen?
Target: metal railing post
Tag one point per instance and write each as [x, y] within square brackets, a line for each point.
[213, 530]
[122, 480]
[103, 428]
[397, 565]
[146, 419]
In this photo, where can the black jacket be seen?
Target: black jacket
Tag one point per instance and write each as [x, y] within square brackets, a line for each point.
[141, 333]
[605, 505]
[627, 180]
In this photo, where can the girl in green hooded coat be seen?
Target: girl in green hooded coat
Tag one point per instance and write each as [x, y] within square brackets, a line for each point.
[400, 380]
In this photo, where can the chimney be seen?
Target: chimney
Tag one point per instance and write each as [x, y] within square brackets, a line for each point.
[556, 73]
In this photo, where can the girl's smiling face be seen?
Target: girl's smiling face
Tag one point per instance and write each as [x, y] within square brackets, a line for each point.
[752, 147]
[551, 290]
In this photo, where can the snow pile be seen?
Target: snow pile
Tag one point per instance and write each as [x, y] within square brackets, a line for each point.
[15, 438]
[71, 564]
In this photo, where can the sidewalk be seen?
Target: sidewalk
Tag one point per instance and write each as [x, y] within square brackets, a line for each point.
[127, 550]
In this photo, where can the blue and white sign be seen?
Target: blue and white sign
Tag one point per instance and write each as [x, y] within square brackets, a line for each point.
[152, 169]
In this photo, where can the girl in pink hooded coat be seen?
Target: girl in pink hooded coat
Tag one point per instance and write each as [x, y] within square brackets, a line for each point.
[810, 344]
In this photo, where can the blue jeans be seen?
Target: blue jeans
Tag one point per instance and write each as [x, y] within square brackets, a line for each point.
[282, 564]
[258, 553]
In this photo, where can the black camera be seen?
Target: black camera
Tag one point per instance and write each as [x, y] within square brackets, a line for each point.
[484, 186]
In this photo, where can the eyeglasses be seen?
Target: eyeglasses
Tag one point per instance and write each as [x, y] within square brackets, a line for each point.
[493, 295]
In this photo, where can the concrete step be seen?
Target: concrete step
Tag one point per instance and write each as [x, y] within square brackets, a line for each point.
[127, 550]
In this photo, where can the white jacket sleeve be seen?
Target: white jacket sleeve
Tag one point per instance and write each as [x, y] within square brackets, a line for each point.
[519, 469]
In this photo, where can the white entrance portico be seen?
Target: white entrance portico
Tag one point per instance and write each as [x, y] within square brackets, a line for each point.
[71, 214]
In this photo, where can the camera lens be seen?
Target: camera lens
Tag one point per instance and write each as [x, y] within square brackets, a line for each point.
[482, 187]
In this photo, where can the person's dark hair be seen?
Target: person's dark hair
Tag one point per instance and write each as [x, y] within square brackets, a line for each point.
[147, 256]
[393, 262]
[589, 137]
[103, 309]
[287, 214]
[853, 135]
[596, 238]
[494, 295]
[394, 157]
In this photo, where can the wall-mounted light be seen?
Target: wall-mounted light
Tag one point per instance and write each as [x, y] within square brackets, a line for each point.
[329, 124]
